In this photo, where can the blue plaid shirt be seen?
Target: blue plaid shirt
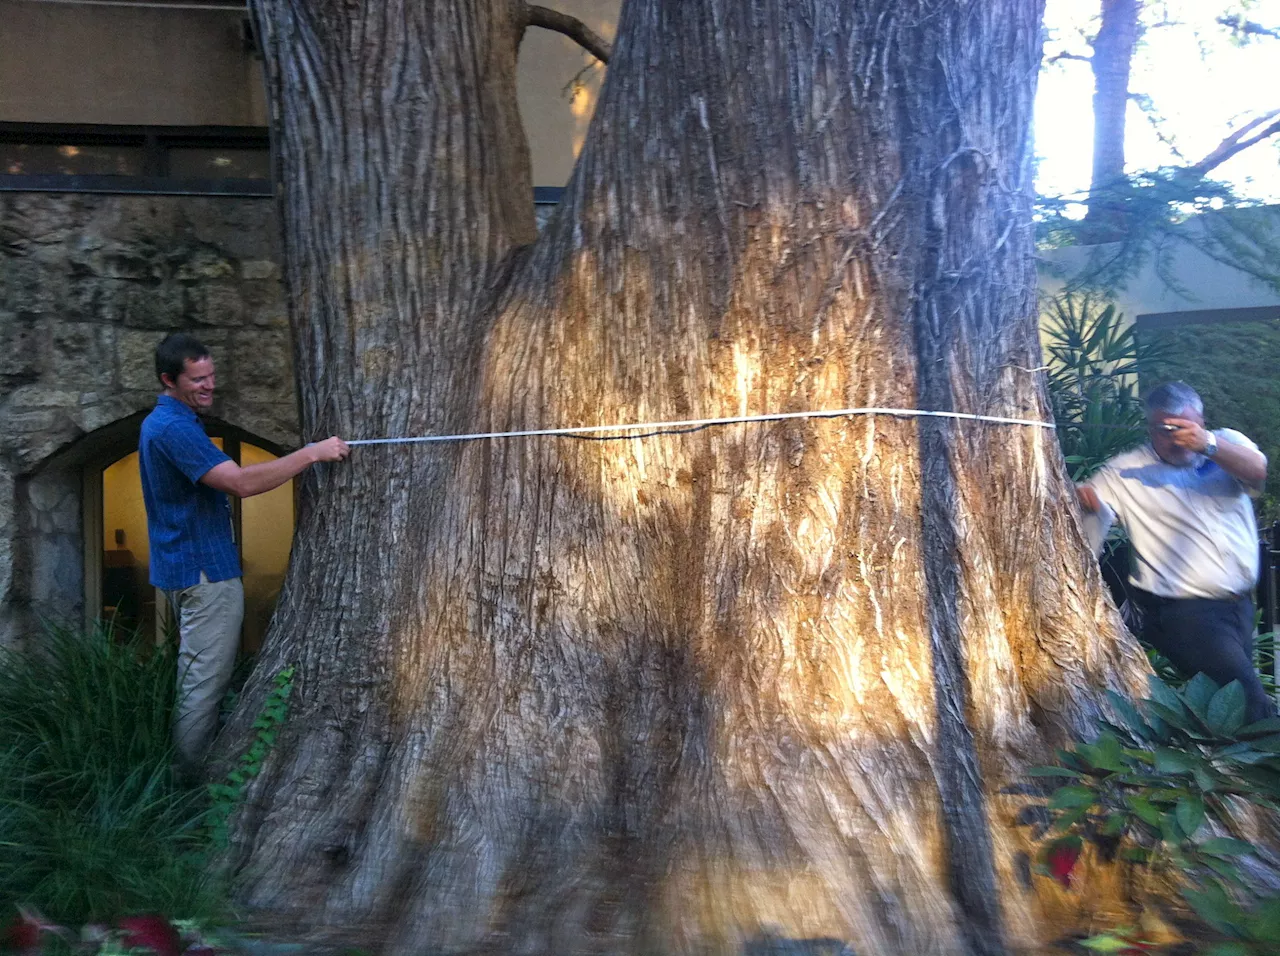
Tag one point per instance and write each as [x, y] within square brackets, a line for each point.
[188, 524]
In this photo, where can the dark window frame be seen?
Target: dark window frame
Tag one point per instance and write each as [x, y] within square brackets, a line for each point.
[156, 143]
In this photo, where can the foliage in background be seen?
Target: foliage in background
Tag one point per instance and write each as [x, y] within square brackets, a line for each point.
[1162, 213]
[1167, 789]
[1093, 359]
[92, 823]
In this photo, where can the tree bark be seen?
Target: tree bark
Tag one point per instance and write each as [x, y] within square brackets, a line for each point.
[1111, 63]
[748, 688]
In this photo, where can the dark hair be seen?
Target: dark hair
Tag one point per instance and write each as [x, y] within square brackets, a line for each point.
[173, 352]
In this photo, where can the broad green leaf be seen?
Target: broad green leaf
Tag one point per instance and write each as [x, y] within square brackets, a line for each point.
[1268, 725]
[1204, 778]
[1143, 809]
[1053, 772]
[1115, 825]
[1216, 908]
[1190, 814]
[1224, 868]
[1269, 744]
[1264, 777]
[1264, 923]
[1169, 760]
[1226, 846]
[1227, 709]
[1070, 818]
[1071, 797]
[1108, 943]
[1129, 714]
[1179, 719]
[1108, 754]
[1171, 830]
[1227, 949]
[1162, 693]
[1198, 692]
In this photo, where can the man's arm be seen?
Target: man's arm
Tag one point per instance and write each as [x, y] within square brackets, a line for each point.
[1243, 462]
[1097, 516]
[256, 479]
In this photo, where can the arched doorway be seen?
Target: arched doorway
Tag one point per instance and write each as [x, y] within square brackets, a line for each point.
[117, 555]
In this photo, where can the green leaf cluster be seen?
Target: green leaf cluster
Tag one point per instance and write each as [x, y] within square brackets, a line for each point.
[1093, 359]
[227, 795]
[1162, 787]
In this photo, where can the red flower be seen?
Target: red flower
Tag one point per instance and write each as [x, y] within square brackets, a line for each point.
[151, 932]
[1062, 859]
[22, 935]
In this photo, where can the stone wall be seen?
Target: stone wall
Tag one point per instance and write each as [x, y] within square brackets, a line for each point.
[88, 286]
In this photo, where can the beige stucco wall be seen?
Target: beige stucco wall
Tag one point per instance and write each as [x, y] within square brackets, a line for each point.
[80, 63]
[559, 86]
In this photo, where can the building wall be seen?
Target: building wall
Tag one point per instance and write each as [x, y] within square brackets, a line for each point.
[1199, 281]
[80, 63]
[88, 286]
[559, 84]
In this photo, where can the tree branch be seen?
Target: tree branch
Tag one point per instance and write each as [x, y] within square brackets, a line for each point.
[570, 26]
[1238, 141]
[1065, 55]
[1248, 27]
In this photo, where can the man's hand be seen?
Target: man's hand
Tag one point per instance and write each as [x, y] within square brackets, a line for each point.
[331, 449]
[1189, 435]
[1088, 499]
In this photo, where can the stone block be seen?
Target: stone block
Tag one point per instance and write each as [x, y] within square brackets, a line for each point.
[102, 410]
[81, 354]
[262, 358]
[203, 265]
[42, 396]
[154, 307]
[20, 351]
[223, 306]
[31, 435]
[25, 288]
[136, 359]
[258, 269]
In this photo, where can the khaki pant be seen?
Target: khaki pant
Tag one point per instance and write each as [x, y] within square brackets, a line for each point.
[208, 615]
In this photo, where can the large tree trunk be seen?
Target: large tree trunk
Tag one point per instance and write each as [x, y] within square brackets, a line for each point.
[1111, 61]
[693, 693]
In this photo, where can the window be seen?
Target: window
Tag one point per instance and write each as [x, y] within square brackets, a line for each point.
[214, 160]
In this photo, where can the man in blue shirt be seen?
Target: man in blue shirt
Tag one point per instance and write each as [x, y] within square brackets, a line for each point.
[185, 483]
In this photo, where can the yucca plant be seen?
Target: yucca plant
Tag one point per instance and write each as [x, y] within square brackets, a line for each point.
[1093, 357]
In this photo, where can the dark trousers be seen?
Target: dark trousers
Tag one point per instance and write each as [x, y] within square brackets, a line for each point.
[1215, 638]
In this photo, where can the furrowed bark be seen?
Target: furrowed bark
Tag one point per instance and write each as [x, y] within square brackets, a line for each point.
[750, 687]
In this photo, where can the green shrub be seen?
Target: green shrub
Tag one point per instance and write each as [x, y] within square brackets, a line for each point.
[1093, 359]
[93, 824]
[1165, 789]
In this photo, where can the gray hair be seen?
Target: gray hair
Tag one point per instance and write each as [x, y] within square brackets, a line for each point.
[1174, 398]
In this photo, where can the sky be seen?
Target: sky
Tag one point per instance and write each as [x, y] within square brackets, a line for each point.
[1200, 83]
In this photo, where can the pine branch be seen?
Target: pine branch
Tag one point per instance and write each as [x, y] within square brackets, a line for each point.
[1248, 28]
[1237, 142]
[570, 26]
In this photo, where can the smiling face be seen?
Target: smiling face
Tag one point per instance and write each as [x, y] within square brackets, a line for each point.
[194, 385]
[1162, 439]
